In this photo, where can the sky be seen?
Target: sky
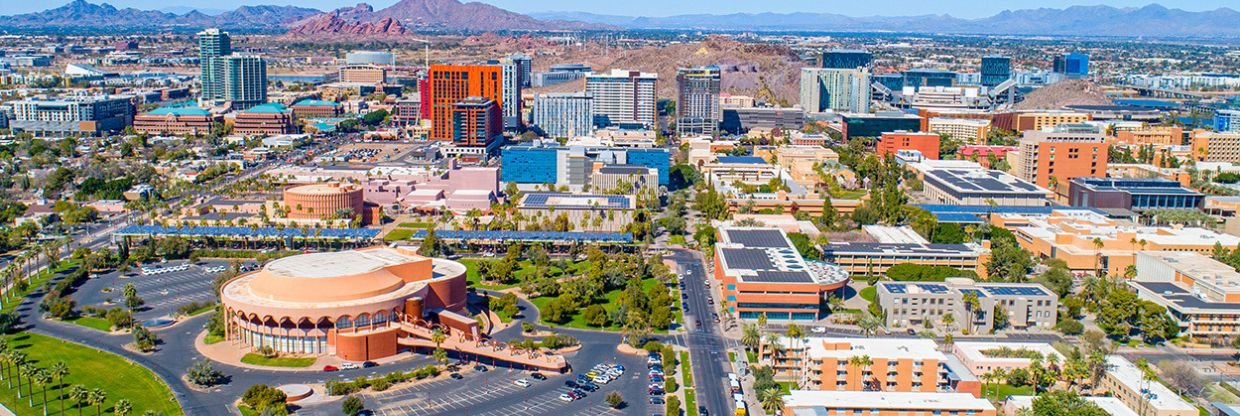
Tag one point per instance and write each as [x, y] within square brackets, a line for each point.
[958, 8]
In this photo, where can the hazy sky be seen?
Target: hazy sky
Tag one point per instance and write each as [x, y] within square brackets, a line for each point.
[958, 8]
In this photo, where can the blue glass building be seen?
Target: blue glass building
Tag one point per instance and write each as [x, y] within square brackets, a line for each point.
[995, 69]
[1227, 120]
[928, 77]
[846, 59]
[540, 163]
[1074, 65]
[528, 164]
[1135, 194]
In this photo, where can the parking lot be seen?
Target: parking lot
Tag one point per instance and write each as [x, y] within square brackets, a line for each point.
[495, 392]
[178, 284]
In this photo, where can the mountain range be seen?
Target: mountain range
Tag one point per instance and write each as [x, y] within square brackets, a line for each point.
[407, 16]
[1152, 20]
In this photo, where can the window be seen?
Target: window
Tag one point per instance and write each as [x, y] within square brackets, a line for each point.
[344, 322]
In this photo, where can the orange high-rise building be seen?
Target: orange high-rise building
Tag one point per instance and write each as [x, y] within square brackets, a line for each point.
[451, 84]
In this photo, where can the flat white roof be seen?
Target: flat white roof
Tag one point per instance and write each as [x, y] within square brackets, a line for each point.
[339, 263]
[889, 348]
[973, 350]
[1111, 405]
[1160, 397]
[884, 400]
[894, 235]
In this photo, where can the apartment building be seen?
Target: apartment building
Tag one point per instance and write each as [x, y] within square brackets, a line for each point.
[624, 97]
[1124, 381]
[625, 179]
[1157, 136]
[1201, 293]
[760, 272]
[1038, 120]
[891, 142]
[363, 74]
[88, 115]
[175, 120]
[904, 246]
[1209, 146]
[1052, 158]
[982, 357]
[448, 85]
[1072, 236]
[869, 365]
[835, 90]
[911, 304]
[838, 403]
[697, 106]
[973, 131]
[1112, 406]
[800, 162]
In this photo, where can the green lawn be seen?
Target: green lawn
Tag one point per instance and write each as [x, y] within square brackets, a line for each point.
[868, 294]
[609, 302]
[787, 386]
[1002, 391]
[690, 402]
[751, 356]
[255, 359]
[120, 378]
[92, 322]
[686, 368]
[399, 234]
[848, 194]
[212, 339]
[415, 225]
[202, 310]
[524, 268]
[678, 239]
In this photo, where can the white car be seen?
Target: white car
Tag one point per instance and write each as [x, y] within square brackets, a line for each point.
[603, 379]
[566, 397]
[521, 382]
[350, 366]
[818, 330]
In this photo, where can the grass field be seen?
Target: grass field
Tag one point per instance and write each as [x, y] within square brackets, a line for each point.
[686, 368]
[868, 293]
[212, 339]
[523, 268]
[999, 392]
[415, 225]
[255, 359]
[399, 234]
[120, 378]
[92, 322]
[202, 310]
[678, 239]
[787, 386]
[610, 302]
[690, 402]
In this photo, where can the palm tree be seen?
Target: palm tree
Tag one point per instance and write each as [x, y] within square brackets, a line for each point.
[772, 343]
[772, 401]
[79, 394]
[96, 398]
[751, 336]
[18, 360]
[60, 370]
[795, 332]
[971, 307]
[860, 363]
[122, 408]
[28, 371]
[5, 357]
[762, 321]
[1098, 244]
[834, 302]
[1147, 375]
[42, 377]
[438, 337]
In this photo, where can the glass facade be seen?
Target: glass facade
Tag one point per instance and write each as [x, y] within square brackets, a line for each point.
[995, 70]
[294, 344]
[523, 164]
[846, 59]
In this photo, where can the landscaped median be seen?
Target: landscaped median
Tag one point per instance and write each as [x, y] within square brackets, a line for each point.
[290, 362]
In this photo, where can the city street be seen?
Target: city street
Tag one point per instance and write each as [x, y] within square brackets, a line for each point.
[707, 347]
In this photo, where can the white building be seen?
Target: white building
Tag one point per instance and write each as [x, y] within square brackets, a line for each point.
[564, 115]
[625, 96]
[835, 90]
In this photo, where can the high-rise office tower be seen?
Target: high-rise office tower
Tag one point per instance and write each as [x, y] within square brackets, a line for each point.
[564, 115]
[245, 80]
[1074, 65]
[525, 66]
[995, 69]
[212, 43]
[513, 84]
[846, 59]
[697, 107]
[451, 84]
[624, 97]
[838, 90]
[476, 123]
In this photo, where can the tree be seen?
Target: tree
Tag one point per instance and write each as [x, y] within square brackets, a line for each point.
[673, 405]
[144, 339]
[203, 374]
[772, 400]
[80, 395]
[122, 407]
[1059, 402]
[595, 315]
[97, 398]
[352, 406]
[556, 311]
[751, 336]
[1182, 377]
[614, 399]
[42, 377]
[262, 398]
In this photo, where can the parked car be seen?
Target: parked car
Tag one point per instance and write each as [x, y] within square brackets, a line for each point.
[330, 368]
[566, 397]
[369, 364]
[521, 382]
[818, 330]
[538, 376]
[457, 376]
[571, 384]
[480, 368]
[350, 366]
[656, 400]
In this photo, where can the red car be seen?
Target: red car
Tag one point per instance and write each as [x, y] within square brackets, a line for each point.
[330, 368]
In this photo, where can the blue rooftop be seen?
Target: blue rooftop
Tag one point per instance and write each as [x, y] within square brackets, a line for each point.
[543, 236]
[310, 102]
[752, 160]
[179, 111]
[268, 108]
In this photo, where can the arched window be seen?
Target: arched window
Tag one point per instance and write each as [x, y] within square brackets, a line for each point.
[363, 320]
[380, 318]
[344, 322]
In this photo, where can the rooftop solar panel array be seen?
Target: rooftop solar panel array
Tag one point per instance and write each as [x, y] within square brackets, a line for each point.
[768, 276]
[747, 258]
[541, 236]
[546, 200]
[758, 238]
[261, 232]
[1183, 298]
[1015, 290]
[979, 293]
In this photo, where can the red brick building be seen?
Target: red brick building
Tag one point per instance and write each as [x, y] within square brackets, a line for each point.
[178, 121]
[926, 143]
[266, 119]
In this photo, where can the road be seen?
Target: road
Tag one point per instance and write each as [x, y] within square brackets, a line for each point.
[707, 347]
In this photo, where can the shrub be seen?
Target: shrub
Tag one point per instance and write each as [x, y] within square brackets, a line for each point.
[119, 318]
[614, 399]
[557, 341]
[202, 374]
[1070, 326]
[264, 398]
[352, 406]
